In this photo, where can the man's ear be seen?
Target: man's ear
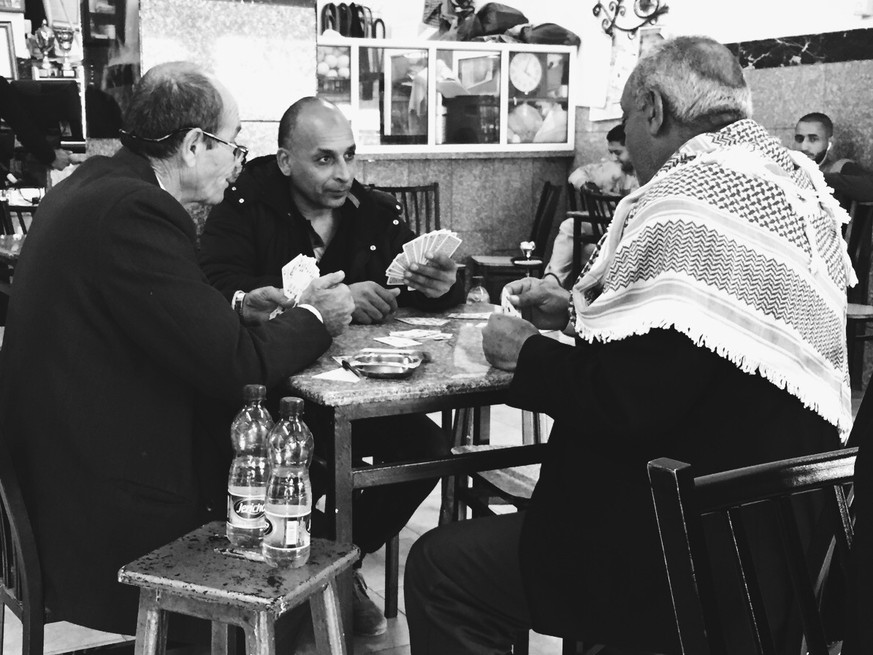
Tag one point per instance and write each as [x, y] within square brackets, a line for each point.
[283, 160]
[190, 143]
[654, 112]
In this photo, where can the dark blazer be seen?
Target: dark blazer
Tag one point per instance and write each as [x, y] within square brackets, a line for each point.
[119, 373]
[590, 551]
[256, 230]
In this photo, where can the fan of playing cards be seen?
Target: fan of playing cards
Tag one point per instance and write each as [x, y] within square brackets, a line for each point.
[416, 251]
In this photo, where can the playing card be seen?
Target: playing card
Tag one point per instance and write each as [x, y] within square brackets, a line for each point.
[298, 274]
[398, 342]
[449, 245]
[506, 305]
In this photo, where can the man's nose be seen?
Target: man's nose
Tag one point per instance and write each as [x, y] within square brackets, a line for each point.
[344, 171]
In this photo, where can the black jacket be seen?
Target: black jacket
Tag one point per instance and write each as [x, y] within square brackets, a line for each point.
[256, 230]
[120, 370]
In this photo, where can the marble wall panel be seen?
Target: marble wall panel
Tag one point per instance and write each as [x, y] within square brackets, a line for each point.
[263, 52]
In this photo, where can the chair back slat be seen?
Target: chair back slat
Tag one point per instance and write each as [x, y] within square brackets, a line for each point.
[751, 589]
[681, 501]
[420, 205]
[544, 217]
[21, 576]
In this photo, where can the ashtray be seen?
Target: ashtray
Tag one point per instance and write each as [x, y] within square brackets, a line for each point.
[386, 364]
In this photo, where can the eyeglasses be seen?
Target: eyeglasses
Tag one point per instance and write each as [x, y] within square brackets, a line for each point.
[239, 152]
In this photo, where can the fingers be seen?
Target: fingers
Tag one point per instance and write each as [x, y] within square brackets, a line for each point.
[330, 279]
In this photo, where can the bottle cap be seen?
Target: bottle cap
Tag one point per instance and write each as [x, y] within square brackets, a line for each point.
[254, 392]
[290, 405]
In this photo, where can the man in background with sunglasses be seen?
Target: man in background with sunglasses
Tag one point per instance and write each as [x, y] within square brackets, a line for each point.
[123, 366]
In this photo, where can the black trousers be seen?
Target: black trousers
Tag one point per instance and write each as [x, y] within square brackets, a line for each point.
[463, 588]
[381, 512]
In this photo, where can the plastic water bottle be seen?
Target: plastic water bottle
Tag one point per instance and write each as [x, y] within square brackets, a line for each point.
[478, 293]
[289, 492]
[247, 481]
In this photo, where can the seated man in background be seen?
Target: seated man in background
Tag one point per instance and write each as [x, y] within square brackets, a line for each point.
[614, 176]
[122, 366]
[305, 200]
[709, 329]
[813, 136]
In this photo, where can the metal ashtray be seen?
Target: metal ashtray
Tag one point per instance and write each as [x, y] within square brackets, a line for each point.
[386, 364]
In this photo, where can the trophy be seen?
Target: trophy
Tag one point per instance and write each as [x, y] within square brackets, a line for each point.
[45, 40]
[64, 38]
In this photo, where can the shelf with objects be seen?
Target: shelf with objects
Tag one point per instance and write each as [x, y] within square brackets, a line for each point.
[450, 96]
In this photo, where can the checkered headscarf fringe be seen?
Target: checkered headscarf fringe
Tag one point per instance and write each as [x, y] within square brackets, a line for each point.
[736, 243]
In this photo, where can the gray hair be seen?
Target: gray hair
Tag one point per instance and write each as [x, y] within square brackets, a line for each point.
[699, 80]
[169, 98]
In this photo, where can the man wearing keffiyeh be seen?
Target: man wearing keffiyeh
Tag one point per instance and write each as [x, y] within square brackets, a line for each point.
[710, 328]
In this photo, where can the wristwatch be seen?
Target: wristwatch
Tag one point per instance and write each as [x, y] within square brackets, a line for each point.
[236, 302]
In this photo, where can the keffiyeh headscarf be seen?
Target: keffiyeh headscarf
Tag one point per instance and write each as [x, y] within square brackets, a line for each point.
[736, 242]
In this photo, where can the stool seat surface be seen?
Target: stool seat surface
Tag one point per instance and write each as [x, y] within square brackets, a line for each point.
[203, 564]
[859, 311]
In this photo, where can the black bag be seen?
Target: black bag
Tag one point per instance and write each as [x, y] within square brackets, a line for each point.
[495, 18]
[549, 34]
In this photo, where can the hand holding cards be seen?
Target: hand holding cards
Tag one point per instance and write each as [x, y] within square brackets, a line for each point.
[298, 274]
[507, 307]
[415, 252]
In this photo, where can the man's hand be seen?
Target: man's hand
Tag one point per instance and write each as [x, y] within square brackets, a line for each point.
[332, 299]
[373, 302]
[62, 159]
[543, 300]
[260, 303]
[434, 277]
[502, 339]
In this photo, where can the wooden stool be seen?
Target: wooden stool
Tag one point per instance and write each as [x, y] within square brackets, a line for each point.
[201, 575]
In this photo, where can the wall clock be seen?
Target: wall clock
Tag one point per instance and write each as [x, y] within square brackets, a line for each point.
[525, 71]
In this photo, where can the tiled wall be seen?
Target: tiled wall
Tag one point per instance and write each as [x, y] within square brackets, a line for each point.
[490, 202]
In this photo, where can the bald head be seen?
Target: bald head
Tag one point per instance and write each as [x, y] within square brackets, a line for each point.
[699, 80]
[310, 113]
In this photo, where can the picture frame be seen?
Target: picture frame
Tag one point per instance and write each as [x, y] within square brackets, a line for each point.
[12, 5]
[8, 63]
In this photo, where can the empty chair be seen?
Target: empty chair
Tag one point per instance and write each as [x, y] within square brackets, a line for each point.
[720, 503]
[492, 266]
[594, 209]
[859, 312]
[15, 219]
[420, 205]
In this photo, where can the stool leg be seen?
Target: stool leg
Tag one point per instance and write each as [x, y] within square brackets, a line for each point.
[329, 637]
[392, 575]
[261, 637]
[151, 625]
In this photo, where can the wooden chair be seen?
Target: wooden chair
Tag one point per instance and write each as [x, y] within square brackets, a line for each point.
[859, 236]
[200, 575]
[500, 265]
[21, 588]
[420, 205]
[595, 209]
[681, 503]
[15, 219]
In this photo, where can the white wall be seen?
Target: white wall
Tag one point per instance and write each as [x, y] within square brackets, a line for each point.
[737, 20]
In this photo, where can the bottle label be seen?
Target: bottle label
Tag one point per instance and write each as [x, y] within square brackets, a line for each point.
[245, 507]
[288, 527]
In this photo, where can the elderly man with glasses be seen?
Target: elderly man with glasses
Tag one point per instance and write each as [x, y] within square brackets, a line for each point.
[123, 366]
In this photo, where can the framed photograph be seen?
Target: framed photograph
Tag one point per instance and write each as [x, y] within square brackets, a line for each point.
[12, 5]
[8, 64]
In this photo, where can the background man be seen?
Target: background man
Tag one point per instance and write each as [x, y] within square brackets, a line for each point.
[305, 200]
[613, 176]
[664, 366]
[122, 366]
[813, 136]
